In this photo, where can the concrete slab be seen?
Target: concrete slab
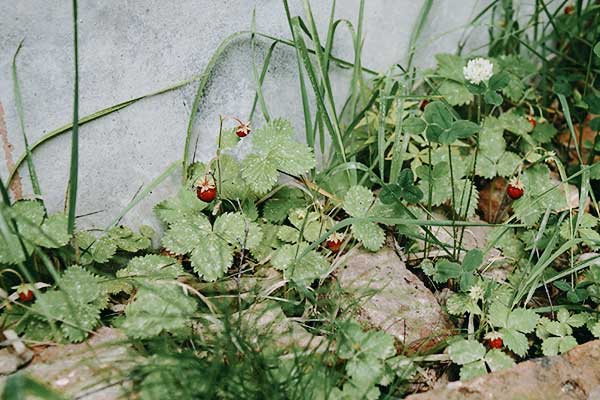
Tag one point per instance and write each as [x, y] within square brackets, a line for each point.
[130, 48]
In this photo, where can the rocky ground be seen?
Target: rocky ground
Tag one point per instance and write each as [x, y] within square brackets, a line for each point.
[388, 297]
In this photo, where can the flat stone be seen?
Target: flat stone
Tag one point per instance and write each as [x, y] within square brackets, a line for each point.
[10, 361]
[90, 370]
[574, 375]
[267, 318]
[392, 298]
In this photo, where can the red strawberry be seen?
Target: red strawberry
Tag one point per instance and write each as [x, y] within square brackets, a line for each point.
[532, 121]
[206, 189]
[494, 340]
[569, 9]
[25, 293]
[334, 242]
[515, 189]
[242, 130]
[495, 343]
[423, 104]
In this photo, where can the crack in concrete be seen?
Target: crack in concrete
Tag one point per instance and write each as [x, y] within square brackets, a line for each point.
[15, 186]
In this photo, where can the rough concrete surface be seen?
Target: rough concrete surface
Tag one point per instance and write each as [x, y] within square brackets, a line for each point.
[131, 48]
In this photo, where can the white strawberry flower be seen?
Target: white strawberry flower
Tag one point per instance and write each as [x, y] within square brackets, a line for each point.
[476, 293]
[478, 70]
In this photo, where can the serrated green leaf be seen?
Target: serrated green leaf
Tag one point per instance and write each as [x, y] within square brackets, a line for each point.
[369, 234]
[288, 234]
[94, 250]
[184, 236]
[498, 314]
[464, 352]
[508, 164]
[515, 341]
[158, 308]
[472, 370]
[523, 320]
[260, 173]
[211, 258]
[450, 66]
[514, 123]
[455, 93]
[238, 230]
[358, 200]
[459, 304]
[151, 267]
[183, 206]
[54, 232]
[80, 284]
[497, 360]
[128, 240]
[277, 207]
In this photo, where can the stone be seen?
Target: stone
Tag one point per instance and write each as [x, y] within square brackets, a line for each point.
[267, 318]
[574, 375]
[391, 298]
[91, 369]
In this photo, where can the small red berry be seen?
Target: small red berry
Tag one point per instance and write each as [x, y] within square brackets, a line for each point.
[206, 189]
[242, 130]
[532, 121]
[494, 340]
[515, 189]
[334, 242]
[423, 104]
[25, 293]
[569, 9]
[495, 343]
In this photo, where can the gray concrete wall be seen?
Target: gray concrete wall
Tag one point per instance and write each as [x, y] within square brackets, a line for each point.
[131, 48]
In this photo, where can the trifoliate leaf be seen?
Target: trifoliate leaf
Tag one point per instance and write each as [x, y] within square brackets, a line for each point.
[274, 149]
[459, 304]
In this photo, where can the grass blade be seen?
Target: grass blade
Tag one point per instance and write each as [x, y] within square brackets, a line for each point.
[35, 184]
[75, 132]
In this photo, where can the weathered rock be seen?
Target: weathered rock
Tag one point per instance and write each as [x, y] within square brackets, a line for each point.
[392, 298]
[575, 375]
[10, 361]
[90, 370]
[268, 318]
